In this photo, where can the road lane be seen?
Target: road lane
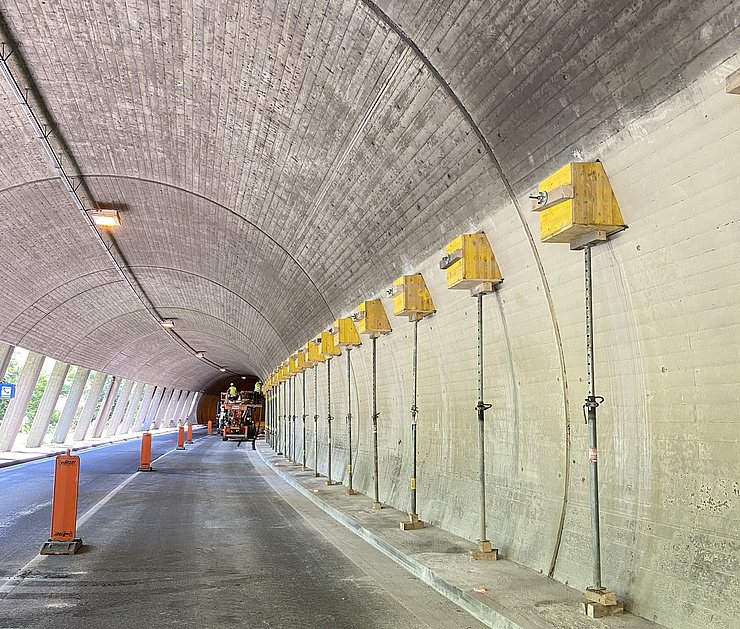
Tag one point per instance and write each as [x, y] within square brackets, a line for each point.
[26, 490]
[208, 541]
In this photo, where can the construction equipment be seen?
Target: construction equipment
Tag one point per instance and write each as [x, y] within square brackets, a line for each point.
[240, 418]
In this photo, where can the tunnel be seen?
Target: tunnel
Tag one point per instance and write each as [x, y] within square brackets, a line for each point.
[420, 312]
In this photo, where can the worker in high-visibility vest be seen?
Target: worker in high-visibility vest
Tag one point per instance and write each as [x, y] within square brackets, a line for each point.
[258, 387]
[231, 392]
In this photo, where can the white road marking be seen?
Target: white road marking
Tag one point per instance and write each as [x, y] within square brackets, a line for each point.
[13, 582]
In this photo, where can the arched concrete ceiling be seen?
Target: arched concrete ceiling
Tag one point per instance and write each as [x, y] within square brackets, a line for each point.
[276, 162]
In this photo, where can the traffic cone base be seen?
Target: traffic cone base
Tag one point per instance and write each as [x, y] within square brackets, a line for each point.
[53, 547]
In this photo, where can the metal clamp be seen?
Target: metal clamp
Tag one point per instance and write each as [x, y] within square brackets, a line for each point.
[592, 401]
[540, 197]
[448, 260]
[482, 406]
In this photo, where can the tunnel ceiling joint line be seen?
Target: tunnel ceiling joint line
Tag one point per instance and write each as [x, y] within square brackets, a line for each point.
[42, 134]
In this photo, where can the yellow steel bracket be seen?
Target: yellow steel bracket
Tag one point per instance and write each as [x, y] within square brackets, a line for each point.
[313, 353]
[327, 346]
[345, 333]
[411, 297]
[371, 318]
[470, 264]
[300, 361]
[577, 205]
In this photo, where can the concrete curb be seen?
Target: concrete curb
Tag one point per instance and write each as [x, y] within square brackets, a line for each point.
[90, 446]
[476, 608]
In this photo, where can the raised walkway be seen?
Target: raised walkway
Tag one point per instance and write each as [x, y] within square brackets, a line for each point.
[500, 594]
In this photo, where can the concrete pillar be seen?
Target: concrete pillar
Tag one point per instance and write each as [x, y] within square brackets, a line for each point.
[6, 353]
[176, 401]
[164, 417]
[47, 404]
[181, 413]
[154, 405]
[192, 412]
[108, 401]
[176, 414]
[163, 408]
[17, 407]
[133, 405]
[147, 397]
[70, 405]
[91, 403]
[120, 409]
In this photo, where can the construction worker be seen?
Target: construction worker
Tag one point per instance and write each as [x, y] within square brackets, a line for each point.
[258, 387]
[231, 392]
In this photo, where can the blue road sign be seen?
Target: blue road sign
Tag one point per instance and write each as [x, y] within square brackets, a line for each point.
[7, 391]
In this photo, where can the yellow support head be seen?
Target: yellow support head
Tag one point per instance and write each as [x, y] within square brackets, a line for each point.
[411, 297]
[293, 365]
[470, 264]
[371, 318]
[300, 361]
[307, 359]
[577, 205]
[313, 350]
[345, 333]
[327, 347]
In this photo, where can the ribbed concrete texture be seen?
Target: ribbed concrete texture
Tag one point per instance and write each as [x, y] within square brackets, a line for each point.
[120, 408]
[299, 156]
[16, 411]
[6, 353]
[46, 406]
[76, 390]
[666, 294]
[134, 404]
[276, 163]
[90, 405]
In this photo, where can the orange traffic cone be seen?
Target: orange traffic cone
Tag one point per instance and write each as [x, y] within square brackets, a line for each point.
[64, 507]
[145, 461]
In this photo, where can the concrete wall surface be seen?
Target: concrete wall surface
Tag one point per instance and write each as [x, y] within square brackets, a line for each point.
[667, 337]
[275, 163]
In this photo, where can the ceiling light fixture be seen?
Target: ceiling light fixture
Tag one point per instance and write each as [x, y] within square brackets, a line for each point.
[222, 369]
[106, 218]
[167, 323]
[200, 354]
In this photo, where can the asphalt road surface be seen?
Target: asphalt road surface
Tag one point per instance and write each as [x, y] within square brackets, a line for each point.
[211, 539]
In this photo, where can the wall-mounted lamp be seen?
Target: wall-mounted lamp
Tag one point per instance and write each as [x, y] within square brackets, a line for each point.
[106, 218]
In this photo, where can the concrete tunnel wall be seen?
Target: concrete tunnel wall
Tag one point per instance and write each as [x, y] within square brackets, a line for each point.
[297, 159]
[667, 337]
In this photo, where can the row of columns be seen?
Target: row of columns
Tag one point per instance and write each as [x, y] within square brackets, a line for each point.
[127, 406]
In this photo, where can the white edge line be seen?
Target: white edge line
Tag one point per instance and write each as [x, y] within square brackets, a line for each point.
[13, 582]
